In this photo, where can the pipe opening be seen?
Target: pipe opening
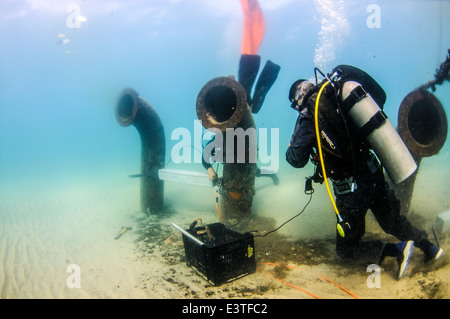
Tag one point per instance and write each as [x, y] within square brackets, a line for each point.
[424, 122]
[221, 103]
[126, 107]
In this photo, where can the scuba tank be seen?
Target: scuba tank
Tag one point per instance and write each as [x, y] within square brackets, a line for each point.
[360, 97]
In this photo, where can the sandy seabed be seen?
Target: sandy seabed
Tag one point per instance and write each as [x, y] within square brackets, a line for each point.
[50, 225]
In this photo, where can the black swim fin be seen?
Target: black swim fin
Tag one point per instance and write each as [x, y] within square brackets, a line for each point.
[248, 70]
[266, 79]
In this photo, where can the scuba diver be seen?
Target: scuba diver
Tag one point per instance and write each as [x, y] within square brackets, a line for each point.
[248, 70]
[357, 176]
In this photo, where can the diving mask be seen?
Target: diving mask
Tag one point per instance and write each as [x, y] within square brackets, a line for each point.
[298, 92]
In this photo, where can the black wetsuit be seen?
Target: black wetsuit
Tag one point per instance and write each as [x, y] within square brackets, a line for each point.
[372, 192]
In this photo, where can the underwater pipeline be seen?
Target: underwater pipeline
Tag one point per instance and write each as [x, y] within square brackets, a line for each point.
[133, 109]
[221, 105]
[422, 124]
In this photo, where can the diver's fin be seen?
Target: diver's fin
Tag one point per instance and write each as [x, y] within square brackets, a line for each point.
[266, 79]
[248, 70]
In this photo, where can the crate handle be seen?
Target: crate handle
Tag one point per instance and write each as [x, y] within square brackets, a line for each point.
[185, 233]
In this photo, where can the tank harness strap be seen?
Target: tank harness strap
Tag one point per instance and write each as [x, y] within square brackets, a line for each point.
[378, 119]
[356, 95]
[375, 122]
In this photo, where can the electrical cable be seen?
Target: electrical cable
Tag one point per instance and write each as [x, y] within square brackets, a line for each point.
[217, 206]
[274, 230]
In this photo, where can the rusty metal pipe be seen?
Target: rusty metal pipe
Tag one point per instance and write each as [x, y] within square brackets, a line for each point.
[222, 105]
[422, 124]
[133, 109]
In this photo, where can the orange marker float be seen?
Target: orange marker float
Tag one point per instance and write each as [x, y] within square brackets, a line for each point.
[254, 26]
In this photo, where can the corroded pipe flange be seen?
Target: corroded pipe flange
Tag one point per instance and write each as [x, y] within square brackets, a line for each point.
[422, 123]
[221, 103]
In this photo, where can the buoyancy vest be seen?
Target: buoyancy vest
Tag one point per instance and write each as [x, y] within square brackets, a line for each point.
[340, 139]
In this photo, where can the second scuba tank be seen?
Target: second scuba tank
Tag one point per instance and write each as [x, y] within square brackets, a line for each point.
[379, 132]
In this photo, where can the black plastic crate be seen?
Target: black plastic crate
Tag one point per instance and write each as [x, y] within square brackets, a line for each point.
[220, 255]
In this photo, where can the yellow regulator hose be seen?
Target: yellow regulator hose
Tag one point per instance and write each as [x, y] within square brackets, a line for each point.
[319, 146]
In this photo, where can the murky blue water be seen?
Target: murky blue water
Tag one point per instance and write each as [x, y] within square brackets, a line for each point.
[64, 63]
[60, 77]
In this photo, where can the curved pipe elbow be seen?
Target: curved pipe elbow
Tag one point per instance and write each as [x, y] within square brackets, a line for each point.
[133, 109]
